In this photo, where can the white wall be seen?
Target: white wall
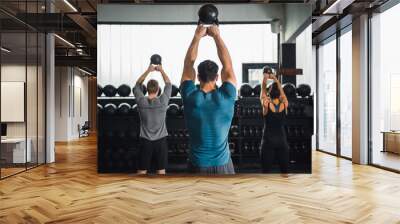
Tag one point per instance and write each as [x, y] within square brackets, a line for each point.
[69, 82]
[124, 50]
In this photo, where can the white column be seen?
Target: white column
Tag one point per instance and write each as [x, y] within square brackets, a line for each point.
[360, 90]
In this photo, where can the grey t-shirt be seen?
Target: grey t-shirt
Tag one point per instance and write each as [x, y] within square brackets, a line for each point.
[152, 113]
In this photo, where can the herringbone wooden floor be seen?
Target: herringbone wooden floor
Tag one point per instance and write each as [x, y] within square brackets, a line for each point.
[70, 191]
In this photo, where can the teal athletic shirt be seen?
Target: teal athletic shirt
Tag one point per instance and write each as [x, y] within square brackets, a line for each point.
[208, 120]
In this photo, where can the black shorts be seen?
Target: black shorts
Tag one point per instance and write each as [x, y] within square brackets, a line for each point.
[157, 149]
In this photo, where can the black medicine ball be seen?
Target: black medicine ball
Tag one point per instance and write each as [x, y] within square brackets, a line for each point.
[110, 109]
[124, 90]
[208, 14]
[257, 90]
[99, 90]
[155, 59]
[267, 70]
[109, 90]
[144, 89]
[124, 108]
[173, 109]
[303, 90]
[289, 89]
[246, 90]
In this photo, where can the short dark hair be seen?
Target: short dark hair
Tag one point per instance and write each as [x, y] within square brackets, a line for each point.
[274, 92]
[267, 70]
[152, 86]
[208, 71]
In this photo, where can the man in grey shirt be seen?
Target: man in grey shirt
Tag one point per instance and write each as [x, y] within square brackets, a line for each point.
[152, 113]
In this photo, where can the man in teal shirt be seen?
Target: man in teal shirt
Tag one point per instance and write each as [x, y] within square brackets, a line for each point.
[208, 110]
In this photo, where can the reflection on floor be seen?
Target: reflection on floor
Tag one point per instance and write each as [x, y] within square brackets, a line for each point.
[71, 191]
[9, 170]
[386, 159]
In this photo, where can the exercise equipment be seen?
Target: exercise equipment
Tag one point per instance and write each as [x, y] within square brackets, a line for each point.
[257, 90]
[303, 90]
[173, 110]
[124, 108]
[290, 90]
[175, 91]
[267, 70]
[208, 14]
[99, 90]
[110, 109]
[109, 90]
[245, 90]
[144, 89]
[134, 110]
[124, 90]
[155, 59]
[99, 108]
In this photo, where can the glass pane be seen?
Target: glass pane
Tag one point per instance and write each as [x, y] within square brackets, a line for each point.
[385, 84]
[346, 94]
[327, 97]
[41, 98]
[13, 86]
[31, 97]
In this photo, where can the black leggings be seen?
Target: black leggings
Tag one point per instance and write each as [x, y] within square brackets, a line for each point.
[270, 148]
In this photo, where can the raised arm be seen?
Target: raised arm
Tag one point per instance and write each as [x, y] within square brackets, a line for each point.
[145, 74]
[283, 97]
[163, 74]
[227, 73]
[264, 99]
[191, 55]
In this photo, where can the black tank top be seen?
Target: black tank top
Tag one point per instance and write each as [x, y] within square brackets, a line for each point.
[274, 123]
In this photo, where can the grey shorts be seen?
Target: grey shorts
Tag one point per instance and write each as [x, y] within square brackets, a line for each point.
[223, 169]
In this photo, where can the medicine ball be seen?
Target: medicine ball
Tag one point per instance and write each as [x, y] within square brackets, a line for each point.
[99, 90]
[99, 108]
[245, 90]
[110, 109]
[109, 90]
[155, 59]
[173, 109]
[134, 110]
[144, 89]
[290, 90]
[175, 91]
[257, 90]
[124, 90]
[124, 108]
[267, 70]
[208, 14]
[303, 90]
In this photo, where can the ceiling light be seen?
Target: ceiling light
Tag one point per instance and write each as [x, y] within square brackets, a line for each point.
[5, 50]
[84, 71]
[64, 40]
[70, 5]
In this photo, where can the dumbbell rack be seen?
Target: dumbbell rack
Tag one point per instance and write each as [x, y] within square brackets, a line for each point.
[118, 137]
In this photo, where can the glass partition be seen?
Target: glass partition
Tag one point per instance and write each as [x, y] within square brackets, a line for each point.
[327, 97]
[23, 87]
[346, 94]
[385, 89]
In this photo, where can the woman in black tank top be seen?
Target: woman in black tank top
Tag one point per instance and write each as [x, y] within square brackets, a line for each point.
[274, 141]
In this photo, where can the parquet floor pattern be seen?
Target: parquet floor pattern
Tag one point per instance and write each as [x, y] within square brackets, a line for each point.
[71, 191]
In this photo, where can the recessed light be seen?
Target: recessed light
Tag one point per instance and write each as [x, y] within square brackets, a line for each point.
[5, 50]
